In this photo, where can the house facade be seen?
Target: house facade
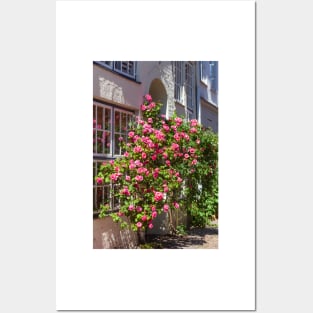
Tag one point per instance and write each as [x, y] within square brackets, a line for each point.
[188, 88]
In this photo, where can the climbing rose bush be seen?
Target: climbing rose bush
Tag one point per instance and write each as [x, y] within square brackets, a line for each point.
[164, 163]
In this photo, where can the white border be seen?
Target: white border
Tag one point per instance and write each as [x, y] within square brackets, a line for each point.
[222, 279]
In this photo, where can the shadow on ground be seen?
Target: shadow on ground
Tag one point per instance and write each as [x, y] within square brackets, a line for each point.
[195, 238]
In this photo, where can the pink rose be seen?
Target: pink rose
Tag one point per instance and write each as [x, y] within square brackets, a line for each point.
[131, 134]
[143, 107]
[144, 218]
[158, 196]
[151, 105]
[99, 180]
[194, 162]
[127, 178]
[143, 155]
[148, 97]
[139, 224]
[153, 208]
[150, 225]
[176, 205]
[131, 207]
[139, 178]
[193, 123]
[150, 120]
[186, 156]
[139, 208]
[154, 214]
[165, 208]
[114, 177]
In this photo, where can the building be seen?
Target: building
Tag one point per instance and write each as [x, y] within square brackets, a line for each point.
[189, 88]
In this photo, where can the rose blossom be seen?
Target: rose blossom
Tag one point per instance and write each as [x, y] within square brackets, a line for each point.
[165, 208]
[114, 177]
[143, 155]
[139, 208]
[139, 224]
[151, 105]
[99, 180]
[193, 123]
[137, 149]
[158, 196]
[148, 97]
[131, 134]
[131, 207]
[127, 178]
[150, 225]
[153, 208]
[144, 218]
[176, 205]
[194, 162]
[139, 178]
[154, 214]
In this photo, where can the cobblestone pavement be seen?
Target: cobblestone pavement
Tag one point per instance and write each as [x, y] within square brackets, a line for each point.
[196, 238]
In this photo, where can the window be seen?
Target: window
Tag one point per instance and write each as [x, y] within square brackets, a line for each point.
[213, 75]
[184, 92]
[204, 72]
[127, 68]
[178, 72]
[189, 85]
[110, 126]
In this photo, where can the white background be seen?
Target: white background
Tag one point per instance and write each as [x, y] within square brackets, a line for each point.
[284, 157]
[136, 279]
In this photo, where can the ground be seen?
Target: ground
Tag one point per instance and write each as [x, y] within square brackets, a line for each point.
[196, 238]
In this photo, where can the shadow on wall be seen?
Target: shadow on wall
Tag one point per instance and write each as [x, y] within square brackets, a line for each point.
[110, 90]
[158, 93]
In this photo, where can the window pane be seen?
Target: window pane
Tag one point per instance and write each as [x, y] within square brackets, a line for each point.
[107, 142]
[94, 143]
[100, 141]
[117, 121]
[99, 117]
[107, 119]
[131, 68]
[117, 65]
[117, 144]
[124, 122]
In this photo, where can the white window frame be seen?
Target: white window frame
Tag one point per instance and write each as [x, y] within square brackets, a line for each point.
[189, 85]
[99, 158]
[112, 131]
[120, 133]
[104, 107]
[179, 82]
[117, 66]
[203, 78]
[128, 67]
